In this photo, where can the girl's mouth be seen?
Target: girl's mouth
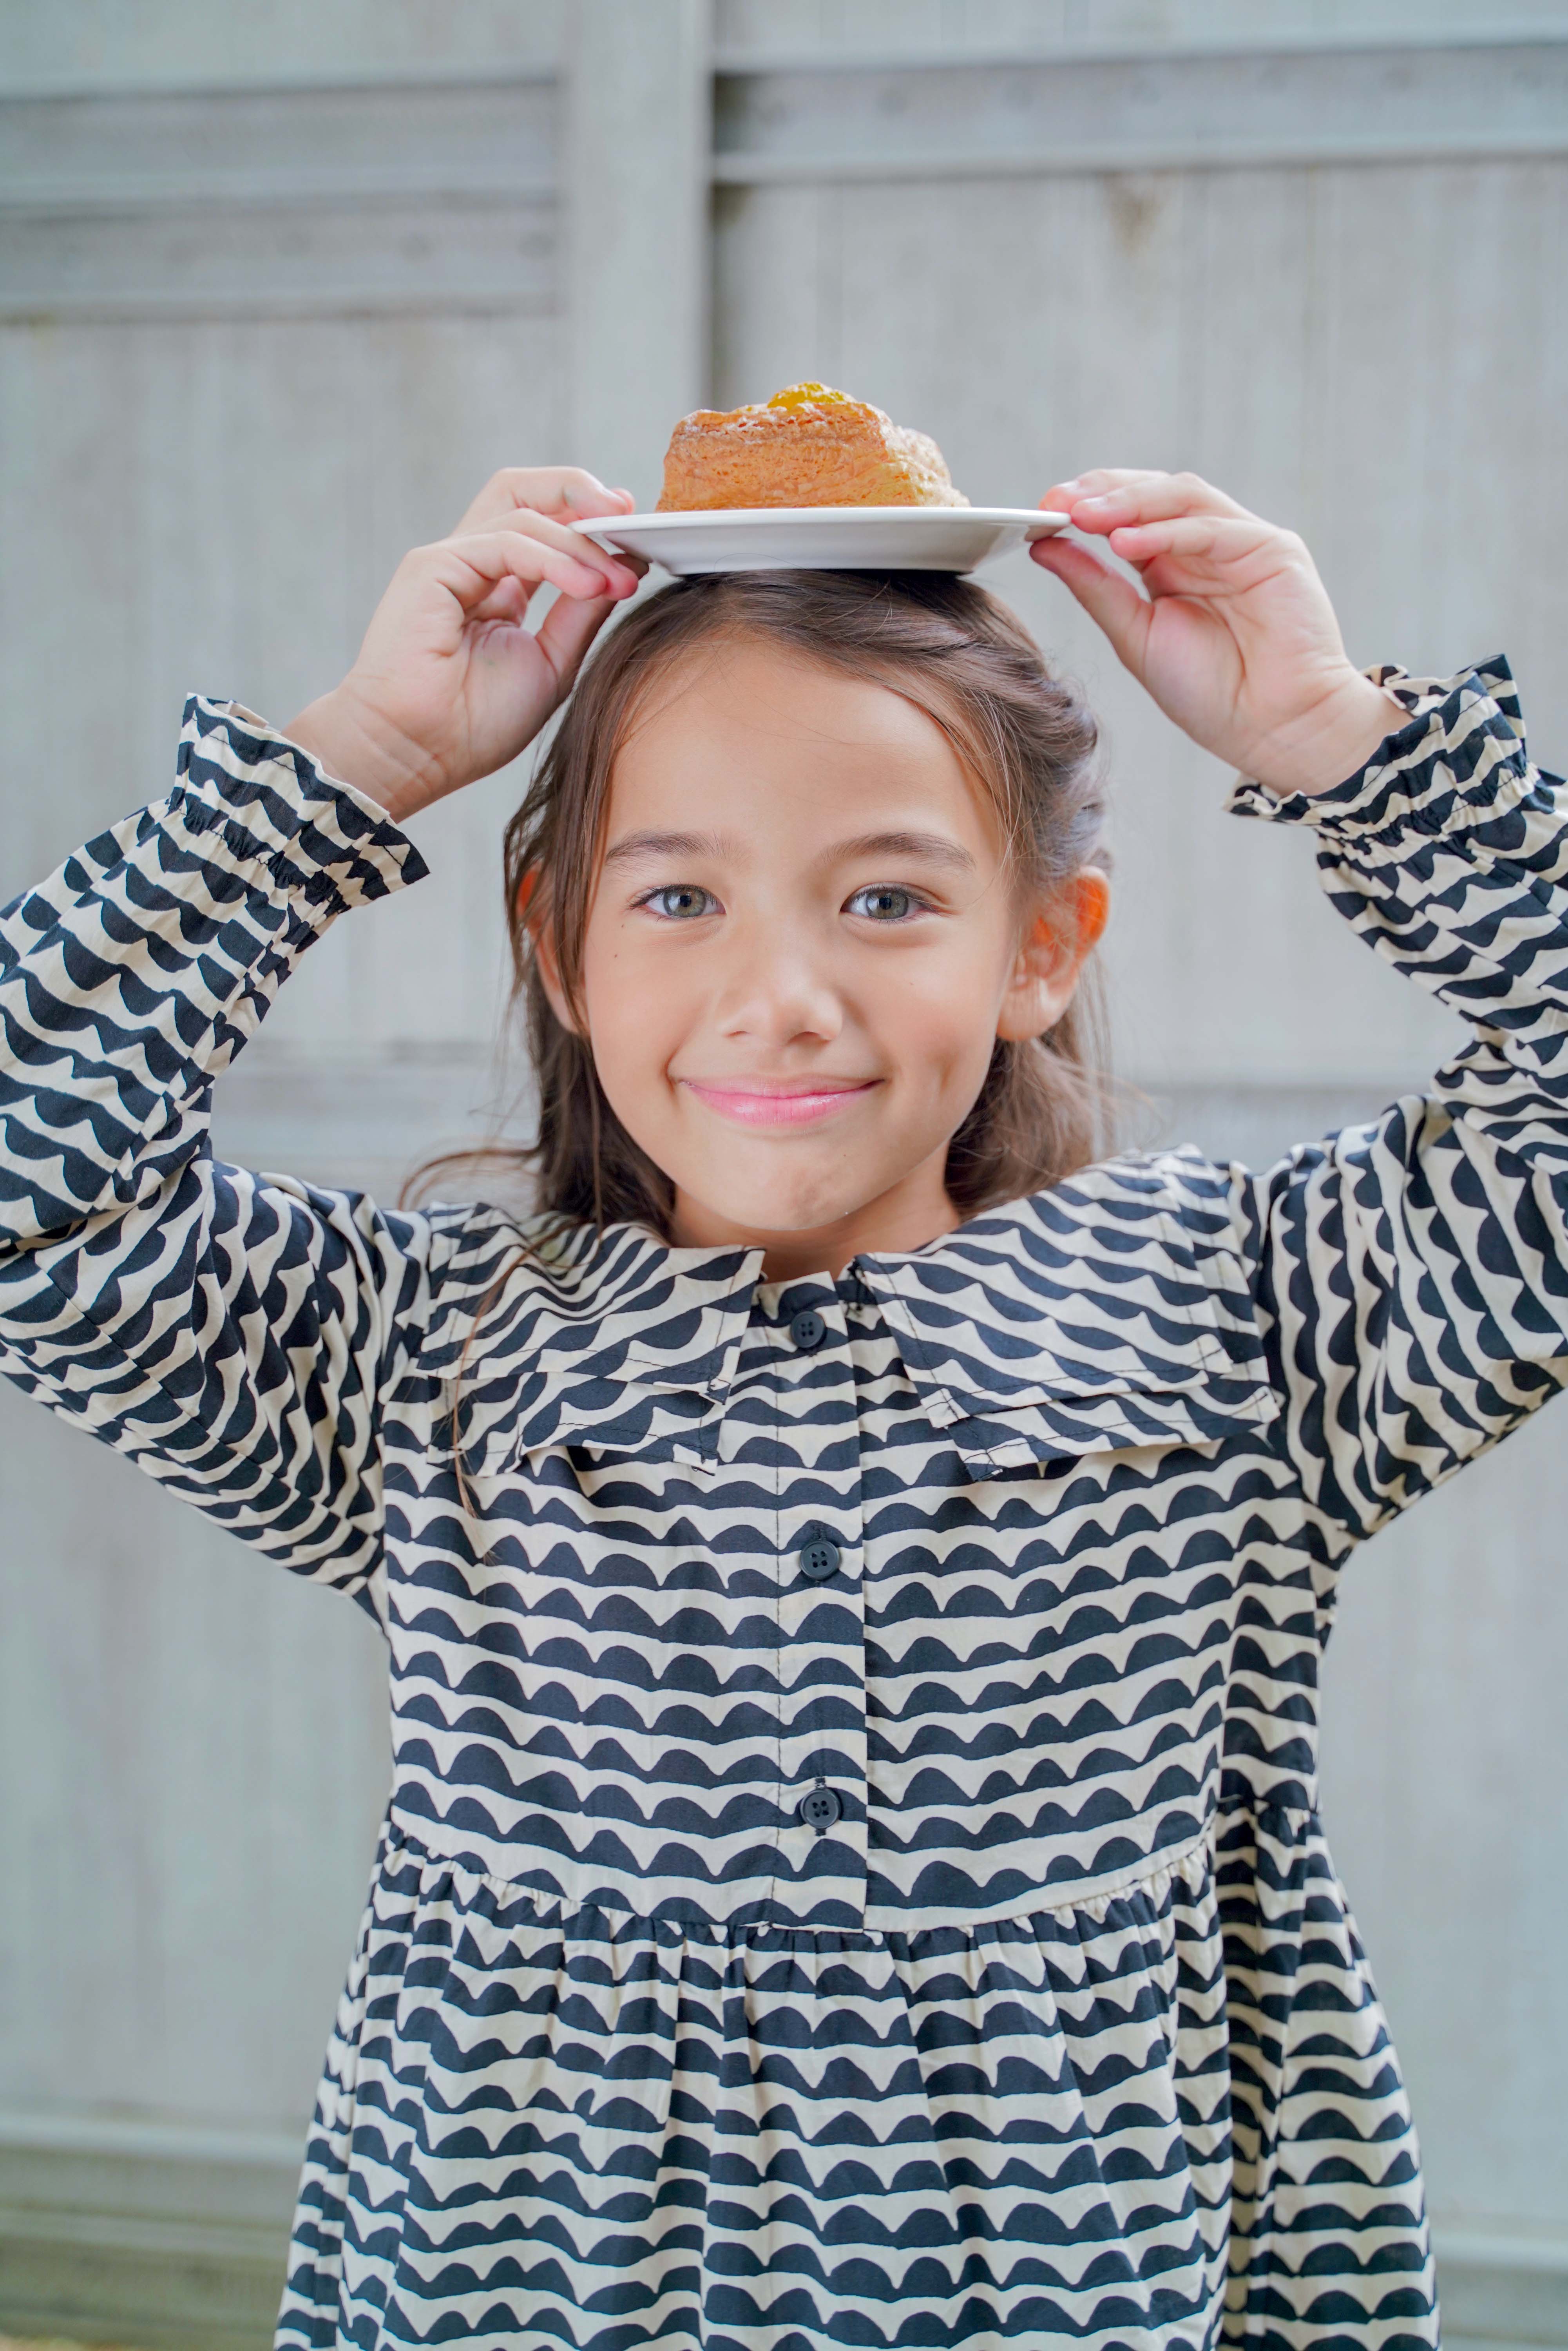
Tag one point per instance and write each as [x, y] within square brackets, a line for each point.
[778, 1102]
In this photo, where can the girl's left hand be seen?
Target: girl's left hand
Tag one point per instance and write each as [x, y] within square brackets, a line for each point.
[1233, 635]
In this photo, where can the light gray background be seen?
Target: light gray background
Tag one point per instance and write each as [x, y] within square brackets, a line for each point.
[279, 286]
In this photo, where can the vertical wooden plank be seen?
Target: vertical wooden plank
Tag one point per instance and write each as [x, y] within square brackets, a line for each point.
[773, 236]
[639, 103]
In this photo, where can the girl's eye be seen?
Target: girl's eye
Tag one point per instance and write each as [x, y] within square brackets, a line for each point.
[681, 901]
[884, 904]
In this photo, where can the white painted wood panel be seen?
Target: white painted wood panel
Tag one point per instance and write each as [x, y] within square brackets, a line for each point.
[1377, 354]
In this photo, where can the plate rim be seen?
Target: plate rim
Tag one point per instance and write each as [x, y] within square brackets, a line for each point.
[734, 516]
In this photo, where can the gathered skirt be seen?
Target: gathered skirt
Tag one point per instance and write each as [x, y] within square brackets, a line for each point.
[1139, 2121]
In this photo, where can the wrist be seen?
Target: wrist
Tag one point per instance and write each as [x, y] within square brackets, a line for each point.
[357, 747]
[1333, 741]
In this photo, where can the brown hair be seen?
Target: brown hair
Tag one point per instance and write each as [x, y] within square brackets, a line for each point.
[1030, 739]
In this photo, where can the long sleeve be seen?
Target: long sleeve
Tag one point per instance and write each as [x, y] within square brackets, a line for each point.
[231, 1332]
[1411, 1275]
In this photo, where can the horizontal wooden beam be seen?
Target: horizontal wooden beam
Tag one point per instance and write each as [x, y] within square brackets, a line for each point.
[70, 47]
[331, 260]
[1502, 2289]
[169, 2237]
[1180, 110]
[457, 139]
[1278, 34]
[297, 203]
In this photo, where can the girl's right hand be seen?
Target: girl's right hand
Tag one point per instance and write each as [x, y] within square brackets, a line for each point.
[450, 682]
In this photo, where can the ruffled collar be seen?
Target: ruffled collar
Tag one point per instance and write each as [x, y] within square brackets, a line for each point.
[1026, 1330]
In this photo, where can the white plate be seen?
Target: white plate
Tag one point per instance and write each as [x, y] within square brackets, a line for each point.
[824, 539]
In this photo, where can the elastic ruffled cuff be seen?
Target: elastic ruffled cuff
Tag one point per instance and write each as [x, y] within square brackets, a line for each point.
[1460, 760]
[277, 808]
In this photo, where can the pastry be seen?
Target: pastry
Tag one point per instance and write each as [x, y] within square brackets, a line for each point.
[807, 446]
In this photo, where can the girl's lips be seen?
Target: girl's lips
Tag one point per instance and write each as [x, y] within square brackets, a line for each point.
[792, 1103]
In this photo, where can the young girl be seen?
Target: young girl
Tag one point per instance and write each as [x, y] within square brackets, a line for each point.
[854, 1570]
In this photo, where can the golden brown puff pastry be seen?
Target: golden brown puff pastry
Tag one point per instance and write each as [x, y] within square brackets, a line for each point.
[807, 446]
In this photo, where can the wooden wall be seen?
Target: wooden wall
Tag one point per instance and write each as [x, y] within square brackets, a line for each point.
[279, 286]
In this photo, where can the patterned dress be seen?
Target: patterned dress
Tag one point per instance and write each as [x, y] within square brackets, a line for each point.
[853, 1873]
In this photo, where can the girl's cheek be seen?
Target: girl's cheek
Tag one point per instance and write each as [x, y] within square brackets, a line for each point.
[951, 992]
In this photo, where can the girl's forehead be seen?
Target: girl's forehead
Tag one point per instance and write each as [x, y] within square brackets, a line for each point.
[751, 708]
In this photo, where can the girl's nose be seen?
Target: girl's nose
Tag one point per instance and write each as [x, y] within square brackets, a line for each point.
[775, 991]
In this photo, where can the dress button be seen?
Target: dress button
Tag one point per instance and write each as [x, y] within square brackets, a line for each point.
[807, 1329]
[819, 1808]
[820, 1559]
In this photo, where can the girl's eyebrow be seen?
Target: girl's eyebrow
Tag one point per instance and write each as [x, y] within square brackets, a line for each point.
[637, 845]
[936, 847]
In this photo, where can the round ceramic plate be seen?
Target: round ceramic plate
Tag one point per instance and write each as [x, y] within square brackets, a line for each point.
[824, 539]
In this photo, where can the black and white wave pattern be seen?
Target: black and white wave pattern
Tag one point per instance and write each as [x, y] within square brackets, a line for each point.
[1049, 2022]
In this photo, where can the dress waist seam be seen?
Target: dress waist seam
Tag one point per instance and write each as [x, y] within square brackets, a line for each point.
[614, 1920]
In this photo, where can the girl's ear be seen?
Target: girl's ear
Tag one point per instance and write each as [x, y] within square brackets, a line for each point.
[541, 934]
[1055, 947]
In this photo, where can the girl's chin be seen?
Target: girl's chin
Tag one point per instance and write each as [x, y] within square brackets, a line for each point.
[769, 1213]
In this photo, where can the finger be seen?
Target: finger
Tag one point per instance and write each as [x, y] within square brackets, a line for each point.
[637, 564]
[1108, 596]
[508, 600]
[1100, 482]
[1219, 539]
[1086, 486]
[472, 568]
[617, 576]
[560, 491]
[1105, 501]
[566, 632]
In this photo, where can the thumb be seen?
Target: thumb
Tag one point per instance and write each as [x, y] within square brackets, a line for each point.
[566, 632]
[1108, 596]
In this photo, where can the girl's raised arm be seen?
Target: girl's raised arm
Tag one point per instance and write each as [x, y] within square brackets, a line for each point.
[1411, 1274]
[234, 1334]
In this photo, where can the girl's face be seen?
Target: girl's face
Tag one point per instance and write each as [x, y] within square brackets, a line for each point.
[804, 939]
